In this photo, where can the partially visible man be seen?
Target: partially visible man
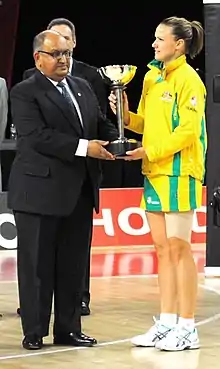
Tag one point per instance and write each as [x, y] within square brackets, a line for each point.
[53, 189]
[3, 115]
[80, 69]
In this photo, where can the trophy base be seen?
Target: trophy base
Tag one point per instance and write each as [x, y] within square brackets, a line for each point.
[119, 147]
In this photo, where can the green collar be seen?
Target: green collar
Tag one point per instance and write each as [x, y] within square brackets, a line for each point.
[169, 67]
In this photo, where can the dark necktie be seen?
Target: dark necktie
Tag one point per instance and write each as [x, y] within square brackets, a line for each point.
[66, 94]
[69, 100]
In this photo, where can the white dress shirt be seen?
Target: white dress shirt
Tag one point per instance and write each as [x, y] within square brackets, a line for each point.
[83, 144]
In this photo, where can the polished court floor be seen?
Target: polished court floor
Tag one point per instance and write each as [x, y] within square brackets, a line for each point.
[122, 306]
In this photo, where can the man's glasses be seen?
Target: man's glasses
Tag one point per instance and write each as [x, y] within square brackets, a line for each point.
[57, 54]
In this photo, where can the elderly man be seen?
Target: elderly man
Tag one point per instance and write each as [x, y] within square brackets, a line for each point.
[53, 189]
[88, 72]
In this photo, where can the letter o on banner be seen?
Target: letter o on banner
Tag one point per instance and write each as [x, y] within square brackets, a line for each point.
[4, 242]
[123, 221]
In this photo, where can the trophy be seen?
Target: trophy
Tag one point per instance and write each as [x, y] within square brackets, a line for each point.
[117, 77]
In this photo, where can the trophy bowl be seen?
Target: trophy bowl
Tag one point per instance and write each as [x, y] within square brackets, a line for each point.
[117, 77]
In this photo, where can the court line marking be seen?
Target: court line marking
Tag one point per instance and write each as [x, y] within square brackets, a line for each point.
[109, 343]
[147, 276]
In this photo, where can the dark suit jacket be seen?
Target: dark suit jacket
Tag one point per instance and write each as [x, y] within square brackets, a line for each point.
[46, 177]
[90, 73]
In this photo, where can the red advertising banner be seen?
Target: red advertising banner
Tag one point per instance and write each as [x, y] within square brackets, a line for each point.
[121, 222]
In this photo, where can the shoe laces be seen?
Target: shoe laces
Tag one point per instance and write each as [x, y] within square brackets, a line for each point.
[158, 329]
[179, 333]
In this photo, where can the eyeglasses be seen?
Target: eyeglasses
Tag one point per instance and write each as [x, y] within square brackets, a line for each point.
[57, 54]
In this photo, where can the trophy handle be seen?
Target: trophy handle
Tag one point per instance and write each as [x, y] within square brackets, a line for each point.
[118, 90]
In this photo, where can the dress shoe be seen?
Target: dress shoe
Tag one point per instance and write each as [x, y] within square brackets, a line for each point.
[85, 310]
[74, 339]
[18, 311]
[32, 342]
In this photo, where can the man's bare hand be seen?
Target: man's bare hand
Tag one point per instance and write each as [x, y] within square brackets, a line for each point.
[96, 150]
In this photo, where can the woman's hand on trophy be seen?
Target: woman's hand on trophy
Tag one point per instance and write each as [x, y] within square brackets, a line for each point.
[96, 150]
[113, 104]
[112, 101]
[136, 154]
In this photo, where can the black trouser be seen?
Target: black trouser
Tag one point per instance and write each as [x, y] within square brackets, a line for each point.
[52, 257]
[86, 285]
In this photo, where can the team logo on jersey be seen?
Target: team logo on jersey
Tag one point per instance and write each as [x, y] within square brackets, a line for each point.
[166, 96]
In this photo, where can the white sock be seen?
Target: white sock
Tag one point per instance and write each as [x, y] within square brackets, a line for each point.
[169, 320]
[187, 323]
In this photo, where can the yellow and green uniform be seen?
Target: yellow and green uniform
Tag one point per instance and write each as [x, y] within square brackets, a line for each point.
[171, 117]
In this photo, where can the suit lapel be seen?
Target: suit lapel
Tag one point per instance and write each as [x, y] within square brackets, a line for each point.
[80, 98]
[71, 115]
[55, 96]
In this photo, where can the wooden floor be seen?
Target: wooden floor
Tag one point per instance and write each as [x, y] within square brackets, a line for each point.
[121, 308]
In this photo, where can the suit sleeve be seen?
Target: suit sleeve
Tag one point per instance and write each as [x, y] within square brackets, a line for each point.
[3, 108]
[107, 129]
[31, 126]
[100, 90]
[191, 108]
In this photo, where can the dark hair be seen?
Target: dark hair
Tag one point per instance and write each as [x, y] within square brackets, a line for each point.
[190, 31]
[40, 38]
[63, 21]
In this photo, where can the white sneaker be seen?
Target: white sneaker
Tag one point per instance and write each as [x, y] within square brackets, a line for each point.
[187, 359]
[178, 339]
[151, 337]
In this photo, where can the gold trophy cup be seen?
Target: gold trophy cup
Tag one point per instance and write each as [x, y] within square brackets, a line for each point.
[117, 77]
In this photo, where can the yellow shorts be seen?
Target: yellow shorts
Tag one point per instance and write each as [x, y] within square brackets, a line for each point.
[171, 194]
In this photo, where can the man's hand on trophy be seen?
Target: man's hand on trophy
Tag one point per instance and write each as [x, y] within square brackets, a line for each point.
[113, 104]
[96, 150]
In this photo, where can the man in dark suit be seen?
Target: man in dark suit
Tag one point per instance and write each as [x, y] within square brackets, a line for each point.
[53, 189]
[79, 69]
